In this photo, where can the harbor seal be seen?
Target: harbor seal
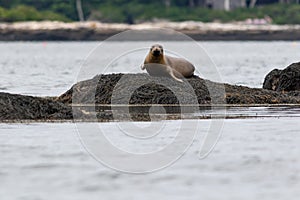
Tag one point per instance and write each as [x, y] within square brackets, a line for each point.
[158, 64]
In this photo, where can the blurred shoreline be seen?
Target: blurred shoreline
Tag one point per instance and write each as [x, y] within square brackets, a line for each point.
[91, 31]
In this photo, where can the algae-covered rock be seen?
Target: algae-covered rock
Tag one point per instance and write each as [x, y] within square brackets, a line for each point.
[20, 107]
[141, 91]
[162, 90]
[285, 80]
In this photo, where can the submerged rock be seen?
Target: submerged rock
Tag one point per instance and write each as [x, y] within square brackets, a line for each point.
[285, 80]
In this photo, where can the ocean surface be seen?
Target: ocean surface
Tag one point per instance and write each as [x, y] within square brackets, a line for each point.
[254, 158]
[50, 68]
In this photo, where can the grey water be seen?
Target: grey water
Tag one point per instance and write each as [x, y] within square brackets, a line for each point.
[255, 158]
[50, 68]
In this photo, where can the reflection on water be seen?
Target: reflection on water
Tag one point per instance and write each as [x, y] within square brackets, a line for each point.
[157, 112]
[248, 112]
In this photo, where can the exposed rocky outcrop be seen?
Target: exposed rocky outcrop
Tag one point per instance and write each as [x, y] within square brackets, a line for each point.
[112, 91]
[286, 80]
[101, 88]
[20, 107]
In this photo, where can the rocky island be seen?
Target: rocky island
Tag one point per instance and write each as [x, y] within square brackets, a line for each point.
[280, 87]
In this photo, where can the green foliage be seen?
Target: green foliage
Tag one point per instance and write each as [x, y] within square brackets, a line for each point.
[65, 8]
[27, 13]
[135, 11]
[281, 14]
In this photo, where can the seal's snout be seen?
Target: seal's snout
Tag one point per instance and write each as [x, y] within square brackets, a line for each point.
[157, 50]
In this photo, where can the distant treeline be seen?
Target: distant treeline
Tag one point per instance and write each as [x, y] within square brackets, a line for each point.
[135, 11]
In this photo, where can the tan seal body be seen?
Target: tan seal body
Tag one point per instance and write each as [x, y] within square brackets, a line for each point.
[158, 64]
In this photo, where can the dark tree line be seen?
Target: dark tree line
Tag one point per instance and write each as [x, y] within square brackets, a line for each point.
[77, 9]
[134, 11]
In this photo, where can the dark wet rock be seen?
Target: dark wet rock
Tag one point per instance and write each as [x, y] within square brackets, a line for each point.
[112, 93]
[272, 79]
[285, 80]
[142, 89]
[294, 93]
[153, 90]
[19, 107]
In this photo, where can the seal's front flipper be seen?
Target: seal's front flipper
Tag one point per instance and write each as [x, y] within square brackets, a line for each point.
[173, 76]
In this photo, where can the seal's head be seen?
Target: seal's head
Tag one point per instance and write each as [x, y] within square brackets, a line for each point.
[157, 50]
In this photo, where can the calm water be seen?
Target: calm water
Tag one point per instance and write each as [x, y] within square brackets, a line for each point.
[49, 69]
[255, 158]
